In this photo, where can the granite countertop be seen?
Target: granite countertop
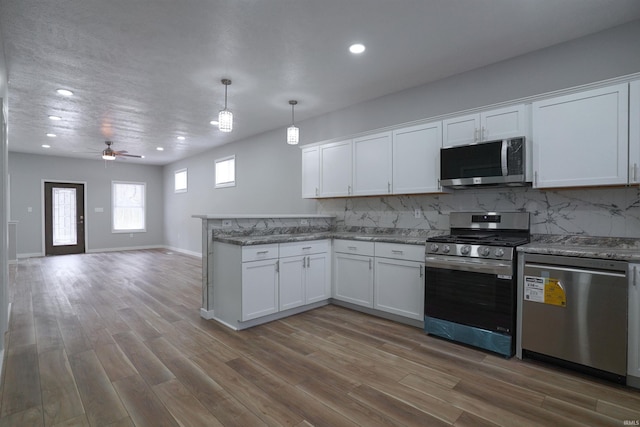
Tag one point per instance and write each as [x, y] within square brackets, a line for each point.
[366, 235]
[617, 248]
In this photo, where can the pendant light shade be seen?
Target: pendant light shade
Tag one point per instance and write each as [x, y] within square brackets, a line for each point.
[225, 117]
[293, 133]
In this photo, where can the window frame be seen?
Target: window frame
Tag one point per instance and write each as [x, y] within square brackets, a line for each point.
[186, 181]
[225, 184]
[113, 207]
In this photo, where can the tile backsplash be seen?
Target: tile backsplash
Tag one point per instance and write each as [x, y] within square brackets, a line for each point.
[588, 212]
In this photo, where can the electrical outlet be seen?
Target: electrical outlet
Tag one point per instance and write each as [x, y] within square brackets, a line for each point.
[226, 223]
[304, 222]
[417, 213]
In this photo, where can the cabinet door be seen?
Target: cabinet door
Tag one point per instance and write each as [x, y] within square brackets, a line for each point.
[633, 329]
[416, 159]
[507, 122]
[292, 275]
[335, 169]
[353, 280]
[310, 172]
[634, 132]
[259, 288]
[461, 130]
[317, 278]
[399, 287]
[372, 164]
[581, 139]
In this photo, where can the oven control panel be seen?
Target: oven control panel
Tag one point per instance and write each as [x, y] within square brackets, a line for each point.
[471, 251]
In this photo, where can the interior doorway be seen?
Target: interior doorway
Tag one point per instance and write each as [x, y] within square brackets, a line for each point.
[64, 218]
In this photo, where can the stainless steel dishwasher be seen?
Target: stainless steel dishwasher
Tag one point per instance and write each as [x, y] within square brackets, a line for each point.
[574, 313]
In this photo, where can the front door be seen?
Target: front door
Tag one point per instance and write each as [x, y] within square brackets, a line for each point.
[64, 218]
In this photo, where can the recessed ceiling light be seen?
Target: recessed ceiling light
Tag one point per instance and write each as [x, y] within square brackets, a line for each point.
[160, 149]
[214, 122]
[51, 135]
[181, 138]
[64, 92]
[357, 48]
[56, 118]
[46, 146]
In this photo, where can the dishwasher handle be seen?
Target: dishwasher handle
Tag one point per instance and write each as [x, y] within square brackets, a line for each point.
[576, 270]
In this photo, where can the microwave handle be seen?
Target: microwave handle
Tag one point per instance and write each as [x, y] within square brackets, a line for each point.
[503, 157]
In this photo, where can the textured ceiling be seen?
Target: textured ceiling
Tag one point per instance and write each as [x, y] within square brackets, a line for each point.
[147, 71]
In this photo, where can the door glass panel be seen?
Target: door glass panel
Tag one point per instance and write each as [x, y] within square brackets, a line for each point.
[64, 217]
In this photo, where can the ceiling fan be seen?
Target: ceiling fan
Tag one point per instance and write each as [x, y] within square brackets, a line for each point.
[111, 154]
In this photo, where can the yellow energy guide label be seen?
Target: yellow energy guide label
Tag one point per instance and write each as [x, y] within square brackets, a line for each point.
[545, 290]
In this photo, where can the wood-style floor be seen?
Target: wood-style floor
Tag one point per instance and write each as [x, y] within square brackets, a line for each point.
[115, 339]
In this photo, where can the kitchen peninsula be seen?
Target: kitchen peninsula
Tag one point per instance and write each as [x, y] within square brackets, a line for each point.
[258, 268]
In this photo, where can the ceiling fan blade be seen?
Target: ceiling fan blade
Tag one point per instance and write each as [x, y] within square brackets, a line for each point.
[121, 152]
[128, 155]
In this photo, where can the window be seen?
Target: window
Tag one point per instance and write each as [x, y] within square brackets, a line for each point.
[128, 206]
[180, 181]
[226, 172]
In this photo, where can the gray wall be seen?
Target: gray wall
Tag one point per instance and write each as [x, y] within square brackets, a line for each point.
[27, 172]
[268, 176]
[269, 172]
[4, 199]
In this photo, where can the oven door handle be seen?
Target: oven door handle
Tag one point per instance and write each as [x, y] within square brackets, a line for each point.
[487, 266]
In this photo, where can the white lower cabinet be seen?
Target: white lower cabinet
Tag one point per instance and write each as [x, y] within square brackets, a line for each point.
[259, 288]
[633, 329]
[353, 272]
[399, 280]
[305, 273]
[254, 283]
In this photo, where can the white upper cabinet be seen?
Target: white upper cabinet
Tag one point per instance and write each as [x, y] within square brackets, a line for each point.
[335, 169]
[581, 139]
[507, 122]
[416, 159]
[372, 159]
[311, 172]
[634, 132]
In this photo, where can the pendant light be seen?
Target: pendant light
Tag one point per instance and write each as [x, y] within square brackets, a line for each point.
[293, 133]
[225, 117]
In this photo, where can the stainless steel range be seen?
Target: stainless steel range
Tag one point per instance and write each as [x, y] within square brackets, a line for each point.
[470, 280]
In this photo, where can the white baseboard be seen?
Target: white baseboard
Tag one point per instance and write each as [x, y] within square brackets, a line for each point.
[206, 314]
[183, 251]
[32, 255]
[126, 248]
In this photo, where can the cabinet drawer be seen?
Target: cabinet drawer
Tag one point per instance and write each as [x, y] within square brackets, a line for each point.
[353, 247]
[400, 251]
[304, 248]
[258, 252]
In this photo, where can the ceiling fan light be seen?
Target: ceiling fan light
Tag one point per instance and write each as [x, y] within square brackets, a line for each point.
[106, 155]
[225, 120]
[293, 135]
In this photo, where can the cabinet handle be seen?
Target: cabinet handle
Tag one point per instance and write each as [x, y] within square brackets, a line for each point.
[370, 266]
[421, 271]
[635, 172]
[397, 251]
[389, 187]
[475, 135]
[349, 189]
[316, 191]
[308, 262]
[482, 135]
[535, 178]
[306, 248]
[352, 248]
[262, 252]
[635, 276]
[278, 266]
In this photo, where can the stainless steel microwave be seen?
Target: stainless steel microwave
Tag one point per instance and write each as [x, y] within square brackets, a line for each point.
[485, 163]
